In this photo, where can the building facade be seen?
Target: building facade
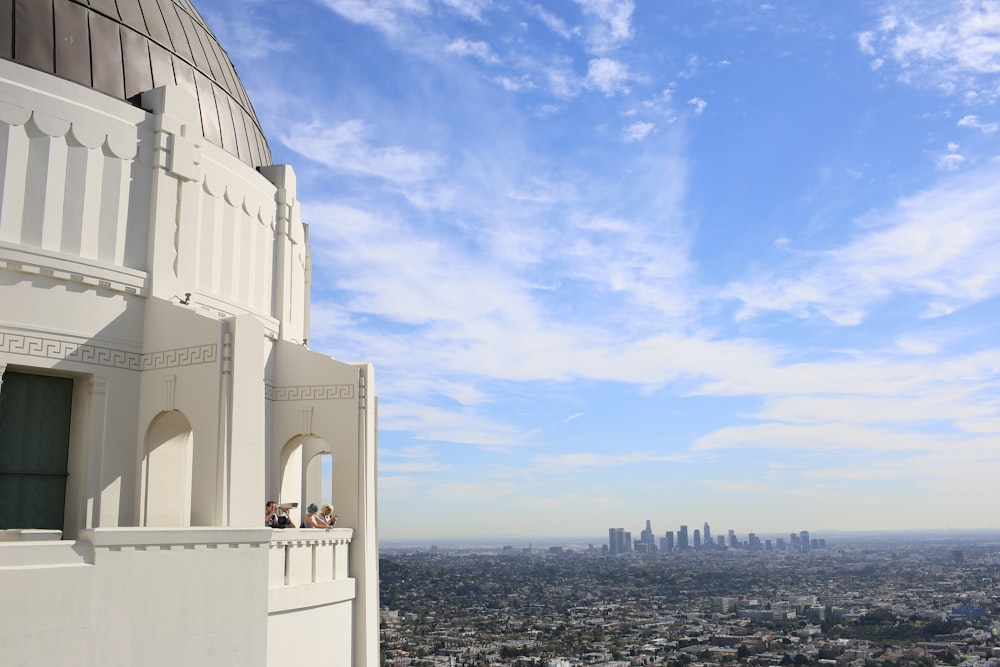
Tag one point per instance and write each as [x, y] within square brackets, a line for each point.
[156, 384]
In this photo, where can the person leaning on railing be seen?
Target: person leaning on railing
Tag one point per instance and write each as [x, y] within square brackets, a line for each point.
[314, 519]
[326, 513]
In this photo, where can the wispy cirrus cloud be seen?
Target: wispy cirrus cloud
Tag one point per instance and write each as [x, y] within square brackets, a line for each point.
[937, 246]
[476, 49]
[384, 15]
[553, 22]
[347, 148]
[245, 36]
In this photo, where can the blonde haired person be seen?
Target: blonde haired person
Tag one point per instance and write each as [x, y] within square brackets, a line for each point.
[326, 514]
[313, 518]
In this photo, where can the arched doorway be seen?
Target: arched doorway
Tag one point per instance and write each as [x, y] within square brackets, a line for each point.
[168, 471]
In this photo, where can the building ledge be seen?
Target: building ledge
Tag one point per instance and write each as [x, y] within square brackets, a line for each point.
[179, 537]
[290, 598]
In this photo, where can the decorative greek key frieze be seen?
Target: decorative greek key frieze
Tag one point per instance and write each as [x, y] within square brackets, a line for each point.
[182, 356]
[316, 392]
[50, 348]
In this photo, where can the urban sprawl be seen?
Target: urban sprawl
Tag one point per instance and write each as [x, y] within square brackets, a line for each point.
[864, 600]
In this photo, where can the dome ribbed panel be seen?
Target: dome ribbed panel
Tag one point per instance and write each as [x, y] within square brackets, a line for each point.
[125, 47]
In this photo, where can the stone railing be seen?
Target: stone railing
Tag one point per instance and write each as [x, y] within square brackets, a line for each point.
[308, 556]
[309, 567]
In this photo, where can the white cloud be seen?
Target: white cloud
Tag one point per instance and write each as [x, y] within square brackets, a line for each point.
[480, 50]
[613, 23]
[974, 122]
[608, 75]
[698, 104]
[346, 148]
[561, 80]
[383, 15]
[553, 22]
[518, 85]
[950, 46]
[950, 161]
[638, 131]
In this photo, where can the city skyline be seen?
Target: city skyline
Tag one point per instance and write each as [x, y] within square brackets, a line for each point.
[618, 258]
[621, 541]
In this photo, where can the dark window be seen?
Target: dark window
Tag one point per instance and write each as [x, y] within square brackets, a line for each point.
[34, 449]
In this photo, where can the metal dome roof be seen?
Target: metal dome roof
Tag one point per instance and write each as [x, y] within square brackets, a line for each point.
[125, 47]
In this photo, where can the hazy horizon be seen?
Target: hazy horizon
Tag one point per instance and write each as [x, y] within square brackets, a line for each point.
[545, 541]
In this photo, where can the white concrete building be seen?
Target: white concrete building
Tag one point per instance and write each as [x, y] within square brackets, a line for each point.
[156, 385]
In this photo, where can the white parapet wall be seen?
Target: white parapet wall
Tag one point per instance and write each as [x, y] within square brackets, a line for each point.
[311, 598]
[193, 596]
[136, 596]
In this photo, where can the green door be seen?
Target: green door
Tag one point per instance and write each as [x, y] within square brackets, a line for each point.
[34, 448]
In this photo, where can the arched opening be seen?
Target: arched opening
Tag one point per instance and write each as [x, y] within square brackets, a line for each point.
[306, 474]
[318, 486]
[168, 469]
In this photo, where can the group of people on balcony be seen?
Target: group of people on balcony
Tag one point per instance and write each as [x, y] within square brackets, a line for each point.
[322, 517]
[276, 516]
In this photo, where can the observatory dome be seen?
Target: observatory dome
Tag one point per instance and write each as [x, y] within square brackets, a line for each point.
[125, 47]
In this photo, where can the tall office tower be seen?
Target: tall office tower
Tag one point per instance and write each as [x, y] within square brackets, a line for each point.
[804, 536]
[753, 542]
[646, 537]
[720, 540]
[707, 535]
[779, 544]
[794, 539]
[733, 542]
[628, 542]
[697, 539]
[682, 539]
[613, 541]
[768, 546]
[669, 540]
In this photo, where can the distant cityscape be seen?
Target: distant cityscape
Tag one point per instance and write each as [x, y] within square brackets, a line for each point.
[904, 599]
[620, 541]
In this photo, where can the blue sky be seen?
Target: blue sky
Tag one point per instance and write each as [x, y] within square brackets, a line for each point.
[685, 261]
